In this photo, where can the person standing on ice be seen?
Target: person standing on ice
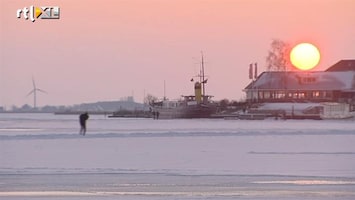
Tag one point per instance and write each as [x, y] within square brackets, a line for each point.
[82, 119]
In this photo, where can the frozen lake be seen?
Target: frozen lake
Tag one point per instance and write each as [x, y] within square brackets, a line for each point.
[42, 156]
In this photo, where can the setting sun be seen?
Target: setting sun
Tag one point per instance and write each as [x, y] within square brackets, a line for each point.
[305, 56]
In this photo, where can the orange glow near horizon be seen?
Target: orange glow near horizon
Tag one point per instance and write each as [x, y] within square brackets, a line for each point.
[131, 46]
[305, 56]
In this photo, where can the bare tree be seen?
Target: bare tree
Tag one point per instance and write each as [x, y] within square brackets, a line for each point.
[278, 58]
[150, 99]
[224, 104]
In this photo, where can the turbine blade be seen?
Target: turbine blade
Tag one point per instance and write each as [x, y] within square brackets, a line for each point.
[32, 91]
[33, 82]
[41, 90]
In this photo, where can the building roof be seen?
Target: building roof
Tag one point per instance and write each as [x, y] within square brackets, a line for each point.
[296, 80]
[342, 65]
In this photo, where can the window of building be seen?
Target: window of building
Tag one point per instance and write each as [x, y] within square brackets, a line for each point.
[280, 95]
[260, 95]
[328, 94]
[289, 95]
[301, 95]
[267, 95]
[315, 94]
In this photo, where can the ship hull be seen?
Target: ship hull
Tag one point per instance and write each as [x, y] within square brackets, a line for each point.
[187, 112]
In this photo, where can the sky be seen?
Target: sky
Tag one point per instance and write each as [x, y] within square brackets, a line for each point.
[108, 49]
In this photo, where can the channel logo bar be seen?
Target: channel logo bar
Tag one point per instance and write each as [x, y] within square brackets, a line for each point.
[42, 12]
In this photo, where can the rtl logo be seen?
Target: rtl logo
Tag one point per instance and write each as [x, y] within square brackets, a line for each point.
[43, 12]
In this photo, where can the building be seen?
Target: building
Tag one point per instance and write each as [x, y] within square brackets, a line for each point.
[336, 84]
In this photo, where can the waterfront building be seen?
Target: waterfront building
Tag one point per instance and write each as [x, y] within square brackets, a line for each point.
[336, 84]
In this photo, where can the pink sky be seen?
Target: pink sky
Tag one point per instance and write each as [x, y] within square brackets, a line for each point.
[105, 50]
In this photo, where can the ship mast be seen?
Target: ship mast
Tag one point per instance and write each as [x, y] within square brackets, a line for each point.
[164, 91]
[203, 74]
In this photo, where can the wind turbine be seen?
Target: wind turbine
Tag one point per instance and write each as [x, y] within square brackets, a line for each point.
[34, 92]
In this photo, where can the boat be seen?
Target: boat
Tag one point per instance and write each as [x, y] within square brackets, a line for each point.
[199, 105]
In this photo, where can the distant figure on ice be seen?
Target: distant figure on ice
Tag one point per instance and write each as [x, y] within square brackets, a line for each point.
[82, 118]
[156, 115]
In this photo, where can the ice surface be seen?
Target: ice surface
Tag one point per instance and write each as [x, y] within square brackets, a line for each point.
[43, 156]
